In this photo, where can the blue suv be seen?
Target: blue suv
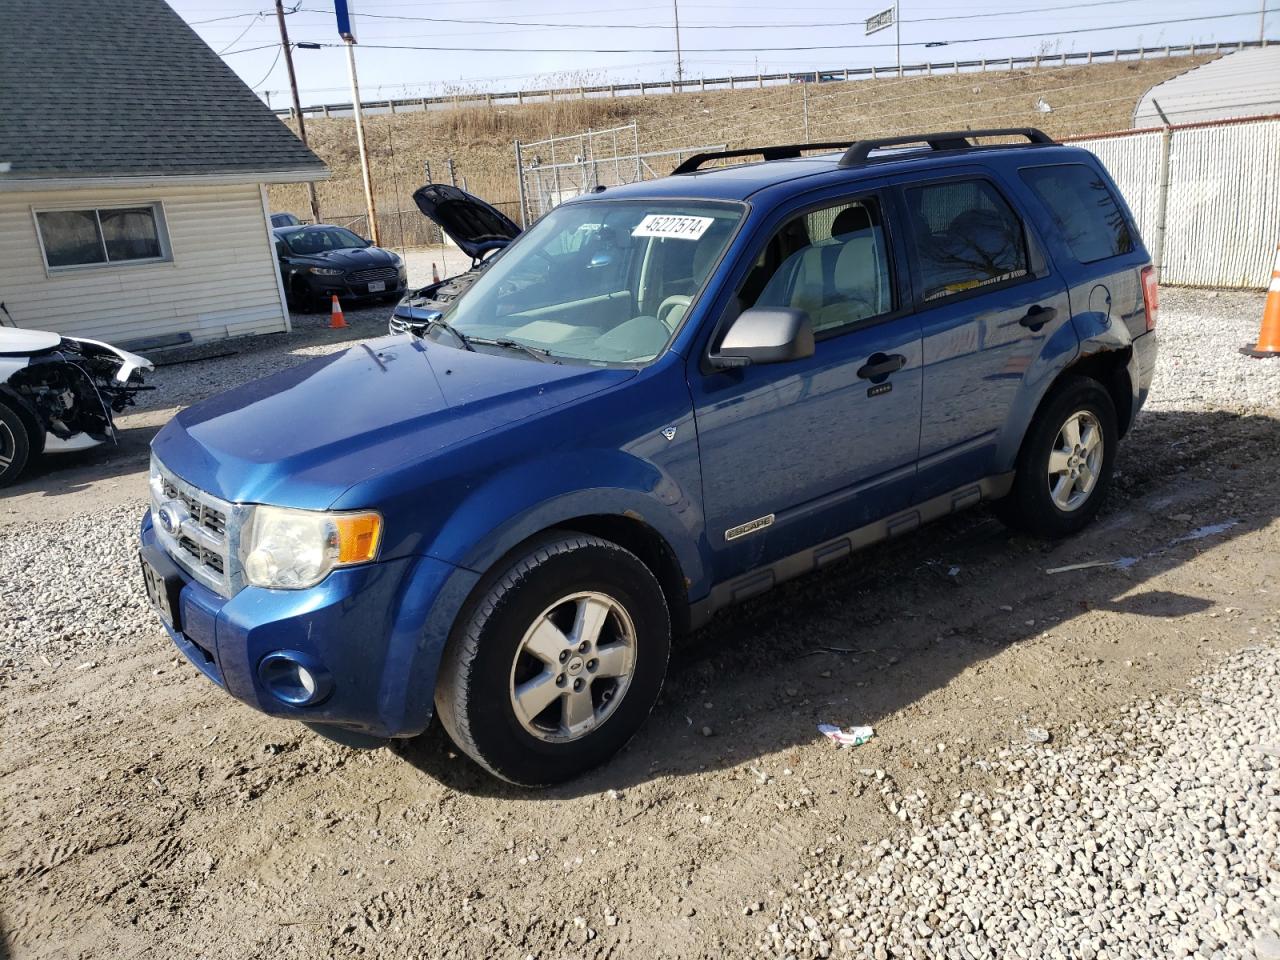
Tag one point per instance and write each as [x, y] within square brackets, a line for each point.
[659, 400]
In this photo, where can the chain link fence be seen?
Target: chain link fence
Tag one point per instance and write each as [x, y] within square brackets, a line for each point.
[556, 169]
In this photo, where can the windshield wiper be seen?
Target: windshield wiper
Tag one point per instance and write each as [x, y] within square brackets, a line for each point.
[447, 327]
[538, 353]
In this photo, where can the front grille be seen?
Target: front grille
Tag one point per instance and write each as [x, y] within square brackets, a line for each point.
[205, 514]
[203, 543]
[389, 274]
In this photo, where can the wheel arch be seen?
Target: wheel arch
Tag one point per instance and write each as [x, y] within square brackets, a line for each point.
[27, 414]
[628, 531]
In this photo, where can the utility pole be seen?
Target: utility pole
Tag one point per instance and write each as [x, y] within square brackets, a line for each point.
[897, 31]
[1262, 23]
[370, 209]
[297, 107]
[675, 7]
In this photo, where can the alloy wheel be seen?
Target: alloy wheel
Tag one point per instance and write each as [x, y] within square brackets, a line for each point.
[573, 666]
[1075, 461]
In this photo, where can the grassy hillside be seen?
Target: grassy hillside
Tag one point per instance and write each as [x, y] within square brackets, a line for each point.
[1084, 99]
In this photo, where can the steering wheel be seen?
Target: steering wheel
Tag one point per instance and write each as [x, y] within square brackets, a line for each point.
[668, 307]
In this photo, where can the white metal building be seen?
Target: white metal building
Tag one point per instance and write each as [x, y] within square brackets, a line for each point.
[133, 179]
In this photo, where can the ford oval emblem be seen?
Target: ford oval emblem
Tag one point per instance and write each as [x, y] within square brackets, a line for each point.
[171, 515]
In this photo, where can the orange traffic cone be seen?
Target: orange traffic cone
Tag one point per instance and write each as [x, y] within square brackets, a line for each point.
[435, 274]
[336, 320]
[1268, 344]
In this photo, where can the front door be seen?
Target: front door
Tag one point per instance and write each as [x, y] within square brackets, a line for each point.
[796, 453]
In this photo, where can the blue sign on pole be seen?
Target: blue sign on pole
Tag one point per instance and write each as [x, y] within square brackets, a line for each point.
[346, 19]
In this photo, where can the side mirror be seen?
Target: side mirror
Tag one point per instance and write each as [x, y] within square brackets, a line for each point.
[765, 335]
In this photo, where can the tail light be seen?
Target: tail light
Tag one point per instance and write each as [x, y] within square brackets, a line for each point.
[1150, 296]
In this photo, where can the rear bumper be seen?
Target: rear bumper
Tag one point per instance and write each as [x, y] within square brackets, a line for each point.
[372, 636]
[1145, 349]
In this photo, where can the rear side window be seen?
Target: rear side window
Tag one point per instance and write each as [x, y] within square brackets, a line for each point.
[1084, 209]
[966, 237]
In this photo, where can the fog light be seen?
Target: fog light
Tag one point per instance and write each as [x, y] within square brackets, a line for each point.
[294, 678]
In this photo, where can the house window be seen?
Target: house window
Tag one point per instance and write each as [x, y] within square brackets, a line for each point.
[100, 236]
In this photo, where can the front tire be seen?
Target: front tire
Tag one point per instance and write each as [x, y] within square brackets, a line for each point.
[1065, 465]
[15, 445]
[559, 662]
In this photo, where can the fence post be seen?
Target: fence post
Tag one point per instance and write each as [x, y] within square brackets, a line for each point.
[1162, 203]
[1142, 53]
[984, 65]
[520, 183]
[1090, 60]
[873, 71]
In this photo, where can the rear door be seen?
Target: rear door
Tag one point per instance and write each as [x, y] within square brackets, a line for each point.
[988, 302]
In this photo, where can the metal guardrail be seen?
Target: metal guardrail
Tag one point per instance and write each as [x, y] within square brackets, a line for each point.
[734, 82]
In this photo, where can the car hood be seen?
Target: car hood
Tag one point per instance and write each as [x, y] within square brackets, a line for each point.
[303, 436]
[475, 226]
[354, 259]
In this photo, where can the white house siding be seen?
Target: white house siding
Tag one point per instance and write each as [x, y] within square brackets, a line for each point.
[222, 280]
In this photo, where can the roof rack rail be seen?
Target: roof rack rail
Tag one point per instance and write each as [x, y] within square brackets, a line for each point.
[860, 152]
[785, 151]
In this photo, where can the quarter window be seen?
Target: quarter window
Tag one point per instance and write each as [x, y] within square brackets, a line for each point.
[833, 263]
[1086, 211]
[77, 238]
[966, 237]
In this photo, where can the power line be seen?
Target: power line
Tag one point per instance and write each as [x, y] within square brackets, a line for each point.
[261, 46]
[256, 18]
[271, 69]
[719, 26]
[799, 49]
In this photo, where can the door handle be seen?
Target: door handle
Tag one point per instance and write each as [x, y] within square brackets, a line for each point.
[1038, 316]
[880, 365]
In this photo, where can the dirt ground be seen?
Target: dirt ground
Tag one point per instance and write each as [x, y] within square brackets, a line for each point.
[143, 813]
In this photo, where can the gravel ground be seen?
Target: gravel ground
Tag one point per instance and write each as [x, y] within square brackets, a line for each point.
[1157, 835]
[144, 813]
[1200, 364]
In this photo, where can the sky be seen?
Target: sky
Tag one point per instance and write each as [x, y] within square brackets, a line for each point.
[585, 42]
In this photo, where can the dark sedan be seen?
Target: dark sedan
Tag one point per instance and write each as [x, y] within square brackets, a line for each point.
[320, 260]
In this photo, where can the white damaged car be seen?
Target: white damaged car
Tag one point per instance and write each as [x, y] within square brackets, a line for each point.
[58, 394]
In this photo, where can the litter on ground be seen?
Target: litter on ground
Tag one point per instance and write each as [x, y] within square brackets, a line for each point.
[853, 737]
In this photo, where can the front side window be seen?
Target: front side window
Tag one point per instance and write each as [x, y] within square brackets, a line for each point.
[319, 239]
[77, 238]
[833, 263]
[966, 237]
[1084, 209]
[604, 281]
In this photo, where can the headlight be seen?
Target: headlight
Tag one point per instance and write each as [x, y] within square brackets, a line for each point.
[292, 549]
[325, 271]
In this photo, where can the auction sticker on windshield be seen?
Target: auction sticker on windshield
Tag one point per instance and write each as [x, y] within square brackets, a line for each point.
[669, 225]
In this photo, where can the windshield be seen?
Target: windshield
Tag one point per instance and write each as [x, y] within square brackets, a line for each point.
[322, 239]
[607, 281]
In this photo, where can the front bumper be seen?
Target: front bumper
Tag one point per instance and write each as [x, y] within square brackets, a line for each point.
[353, 290]
[373, 635]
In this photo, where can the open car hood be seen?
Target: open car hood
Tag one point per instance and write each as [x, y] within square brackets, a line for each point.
[475, 226]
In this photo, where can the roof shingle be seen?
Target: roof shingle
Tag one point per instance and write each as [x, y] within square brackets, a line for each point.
[125, 88]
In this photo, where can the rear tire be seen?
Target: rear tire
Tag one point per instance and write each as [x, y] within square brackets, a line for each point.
[15, 445]
[558, 664]
[1066, 461]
